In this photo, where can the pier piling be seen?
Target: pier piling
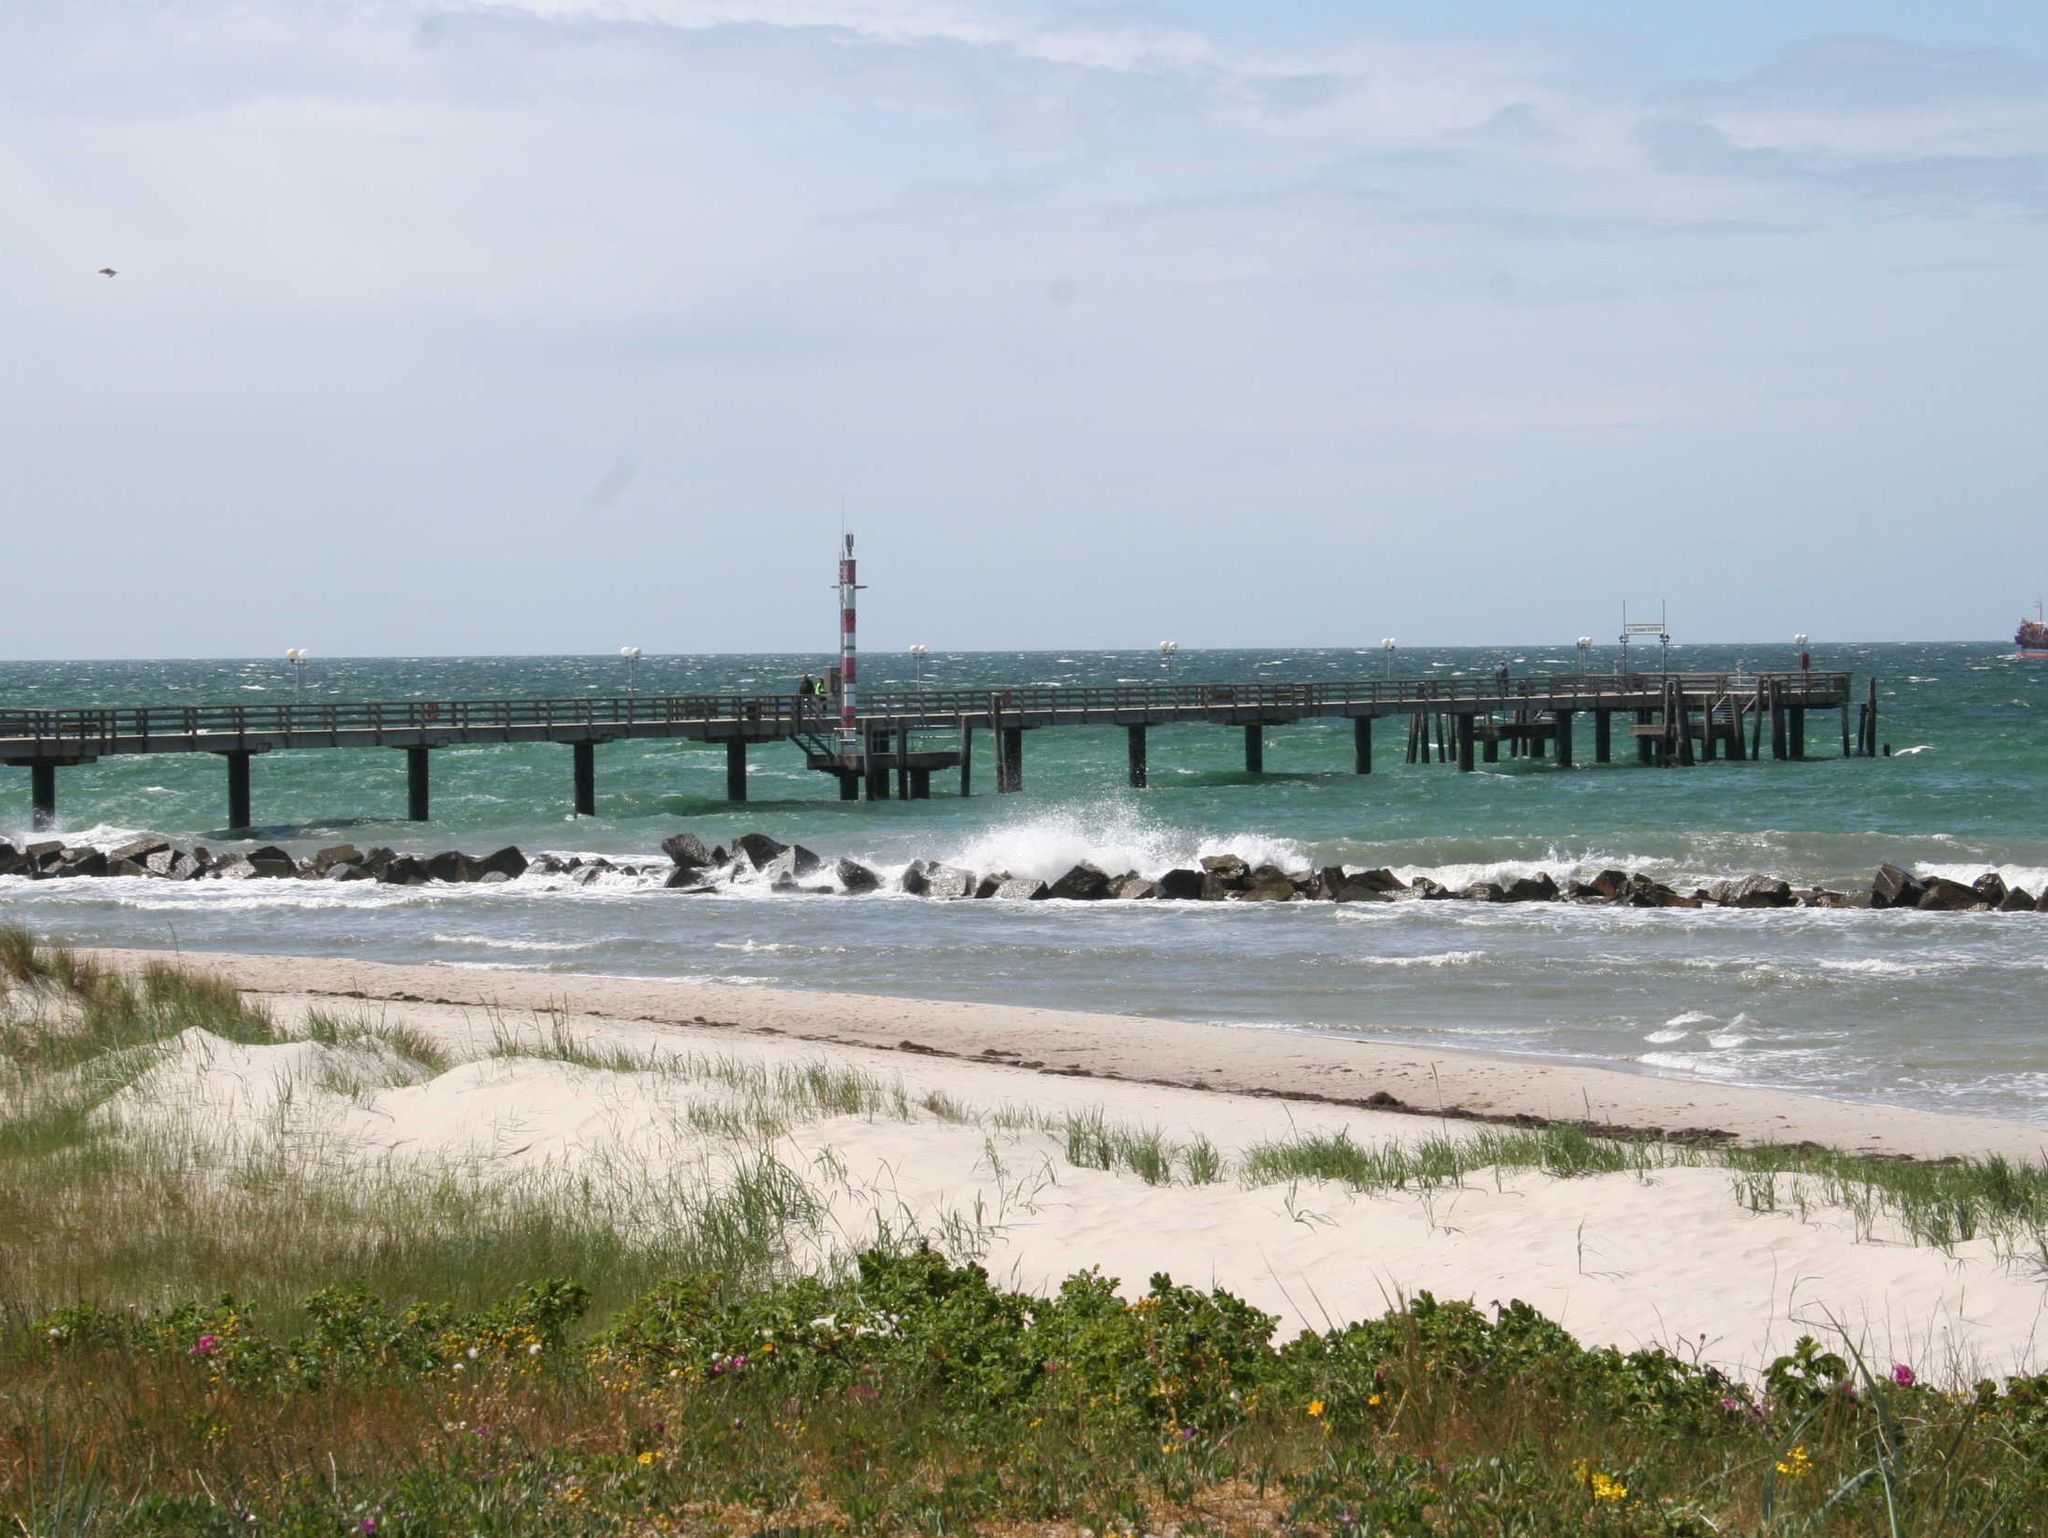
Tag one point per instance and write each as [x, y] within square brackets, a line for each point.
[1603, 736]
[966, 760]
[583, 757]
[238, 789]
[1563, 718]
[1464, 731]
[736, 770]
[1010, 760]
[1361, 744]
[1134, 744]
[1254, 750]
[416, 787]
[42, 794]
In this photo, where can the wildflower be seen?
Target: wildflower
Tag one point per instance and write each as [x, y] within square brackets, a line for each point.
[1795, 1464]
[648, 1458]
[1315, 1408]
[534, 1349]
[367, 1525]
[1607, 1488]
[472, 1353]
[1729, 1404]
[1375, 1400]
[1903, 1375]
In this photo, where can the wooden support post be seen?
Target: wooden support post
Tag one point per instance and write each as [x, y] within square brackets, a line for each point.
[736, 770]
[903, 763]
[1411, 738]
[1779, 746]
[42, 795]
[416, 784]
[1563, 718]
[1491, 751]
[1361, 745]
[1756, 724]
[1684, 726]
[1603, 736]
[920, 785]
[1873, 718]
[966, 758]
[1011, 776]
[238, 789]
[1798, 714]
[1254, 750]
[583, 777]
[1464, 728]
[1537, 746]
[877, 765]
[1707, 730]
[1845, 728]
[849, 784]
[1645, 746]
[1735, 736]
[1134, 747]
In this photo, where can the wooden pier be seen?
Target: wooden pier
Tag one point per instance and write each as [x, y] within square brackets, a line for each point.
[903, 737]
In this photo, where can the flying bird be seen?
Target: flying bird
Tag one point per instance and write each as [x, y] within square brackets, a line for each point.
[106, 272]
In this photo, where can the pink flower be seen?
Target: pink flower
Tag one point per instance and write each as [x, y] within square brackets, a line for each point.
[1903, 1375]
[207, 1345]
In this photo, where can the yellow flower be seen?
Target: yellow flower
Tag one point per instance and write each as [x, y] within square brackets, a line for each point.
[1374, 1400]
[1608, 1488]
[768, 1347]
[649, 1457]
[1315, 1407]
[1795, 1464]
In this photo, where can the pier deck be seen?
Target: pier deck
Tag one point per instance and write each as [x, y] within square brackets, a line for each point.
[1673, 718]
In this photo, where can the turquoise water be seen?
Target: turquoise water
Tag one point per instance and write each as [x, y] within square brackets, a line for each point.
[1938, 1010]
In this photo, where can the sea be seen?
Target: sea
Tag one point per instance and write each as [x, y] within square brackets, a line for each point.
[1947, 1012]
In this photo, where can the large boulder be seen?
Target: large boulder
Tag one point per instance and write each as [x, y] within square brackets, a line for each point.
[12, 861]
[402, 870]
[1608, 886]
[43, 855]
[1485, 892]
[2017, 900]
[1132, 887]
[1539, 888]
[687, 849]
[508, 862]
[948, 882]
[1894, 888]
[335, 854]
[81, 862]
[451, 865]
[1267, 886]
[1941, 895]
[273, 861]
[681, 878]
[1228, 869]
[1084, 883]
[756, 851]
[913, 878]
[139, 850]
[855, 877]
[1019, 889]
[1757, 892]
[1990, 888]
[1430, 891]
[1182, 885]
[232, 867]
[347, 870]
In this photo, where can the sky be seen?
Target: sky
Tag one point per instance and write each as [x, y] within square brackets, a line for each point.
[560, 325]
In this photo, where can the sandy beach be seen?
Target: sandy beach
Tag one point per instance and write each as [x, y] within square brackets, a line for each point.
[1667, 1256]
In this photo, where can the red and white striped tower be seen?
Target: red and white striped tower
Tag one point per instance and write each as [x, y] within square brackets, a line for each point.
[848, 664]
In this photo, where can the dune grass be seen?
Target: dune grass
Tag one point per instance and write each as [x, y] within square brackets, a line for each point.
[720, 1362]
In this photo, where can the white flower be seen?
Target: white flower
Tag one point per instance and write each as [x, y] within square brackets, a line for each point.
[534, 1349]
[472, 1353]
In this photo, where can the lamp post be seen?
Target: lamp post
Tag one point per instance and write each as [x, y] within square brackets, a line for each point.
[1805, 658]
[1585, 648]
[632, 654]
[1387, 645]
[298, 657]
[917, 655]
[1166, 651]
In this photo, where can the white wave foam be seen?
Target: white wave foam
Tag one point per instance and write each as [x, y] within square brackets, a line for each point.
[1436, 959]
[1665, 1038]
[1691, 1017]
[1046, 847]
[493, 943]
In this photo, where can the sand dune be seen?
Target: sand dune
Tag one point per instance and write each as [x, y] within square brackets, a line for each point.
[1666, 1257]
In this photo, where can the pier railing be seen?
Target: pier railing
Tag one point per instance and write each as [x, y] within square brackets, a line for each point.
[133, 728]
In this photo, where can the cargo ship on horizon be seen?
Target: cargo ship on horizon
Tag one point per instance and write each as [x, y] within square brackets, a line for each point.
[2032, 636]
